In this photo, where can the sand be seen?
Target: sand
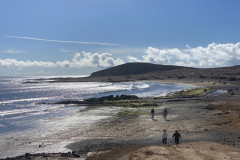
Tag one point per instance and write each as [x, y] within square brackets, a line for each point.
[185, 151]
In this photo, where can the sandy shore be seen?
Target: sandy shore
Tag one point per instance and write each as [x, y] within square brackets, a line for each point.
[198, 119]
[186, 151]
[208, 125]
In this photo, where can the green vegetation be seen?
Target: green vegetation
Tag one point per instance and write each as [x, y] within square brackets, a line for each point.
[122, 100]
[192, 93]
[131, 113]
[131, 103]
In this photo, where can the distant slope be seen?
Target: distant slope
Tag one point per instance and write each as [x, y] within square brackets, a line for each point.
[148, 71]
[134, 69]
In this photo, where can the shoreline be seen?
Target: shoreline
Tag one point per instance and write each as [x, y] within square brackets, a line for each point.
[116, 127]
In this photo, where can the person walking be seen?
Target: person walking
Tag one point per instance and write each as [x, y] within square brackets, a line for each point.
[165, 113]
[176, 137]
[164, 137]
[152, 112]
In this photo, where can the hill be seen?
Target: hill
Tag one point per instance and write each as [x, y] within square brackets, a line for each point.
[134, 69]
[148, 71]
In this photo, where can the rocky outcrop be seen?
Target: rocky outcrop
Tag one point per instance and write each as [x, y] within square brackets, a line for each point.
[111, 98]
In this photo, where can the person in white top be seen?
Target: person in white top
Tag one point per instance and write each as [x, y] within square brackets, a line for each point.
[164, 137]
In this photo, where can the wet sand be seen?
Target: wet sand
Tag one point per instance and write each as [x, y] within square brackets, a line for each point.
[54, 134]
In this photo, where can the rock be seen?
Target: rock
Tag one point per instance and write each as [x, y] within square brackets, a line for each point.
[117, 97]
[109, 98]
[45, 155]
[149, 153]
[76, 155]
[127, 97]
[65, 154]
[27, 155]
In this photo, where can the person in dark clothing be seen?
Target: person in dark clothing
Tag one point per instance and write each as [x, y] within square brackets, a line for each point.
[165, 113]
[176, 137]
[152, 112]
[164, 137]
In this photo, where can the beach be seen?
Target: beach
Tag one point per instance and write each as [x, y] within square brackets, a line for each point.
[30, 122]
[198, 119]
[120, 80]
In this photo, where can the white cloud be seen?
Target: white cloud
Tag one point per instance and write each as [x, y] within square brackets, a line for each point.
[214, 55]
[64, 63]
[94, 60]
[14, 62]
[133, 59]
[80, 60]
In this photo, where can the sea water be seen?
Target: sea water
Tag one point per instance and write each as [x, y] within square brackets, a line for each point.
[25, 108]
[22, 104]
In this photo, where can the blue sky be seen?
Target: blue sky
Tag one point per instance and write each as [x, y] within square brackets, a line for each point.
[45, 37]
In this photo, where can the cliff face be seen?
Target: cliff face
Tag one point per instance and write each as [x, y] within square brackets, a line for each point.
[134, 69]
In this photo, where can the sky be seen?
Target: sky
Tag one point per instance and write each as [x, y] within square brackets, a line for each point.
[78, 37]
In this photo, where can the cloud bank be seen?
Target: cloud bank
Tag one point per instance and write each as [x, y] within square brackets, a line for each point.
[214, 55]
[80, 60]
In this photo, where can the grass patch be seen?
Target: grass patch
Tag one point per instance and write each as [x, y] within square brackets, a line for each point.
[131, 113]
[192, 93]
[131, 103]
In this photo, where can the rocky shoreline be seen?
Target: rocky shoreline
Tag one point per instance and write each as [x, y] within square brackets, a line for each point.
[68, 156]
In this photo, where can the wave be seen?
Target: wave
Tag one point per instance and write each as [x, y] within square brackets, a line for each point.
[32, 110]
[26, 100]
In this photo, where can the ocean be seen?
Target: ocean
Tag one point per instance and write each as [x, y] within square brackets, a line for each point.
[22, 108]
[21, 103]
